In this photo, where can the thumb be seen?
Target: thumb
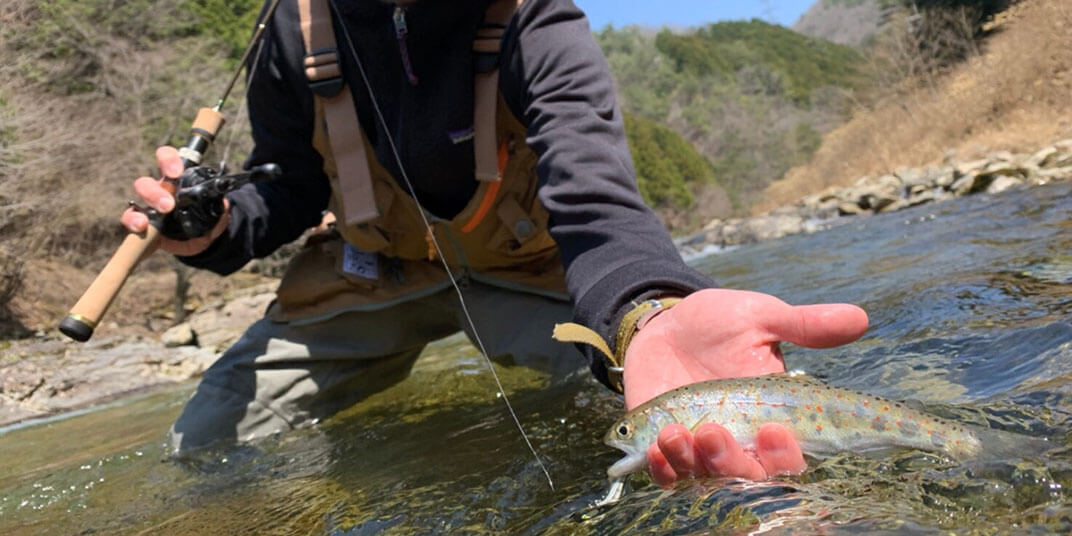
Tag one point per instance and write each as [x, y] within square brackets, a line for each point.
[818, 326]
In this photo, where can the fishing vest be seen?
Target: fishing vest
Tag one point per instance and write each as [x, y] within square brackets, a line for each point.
[386, 253]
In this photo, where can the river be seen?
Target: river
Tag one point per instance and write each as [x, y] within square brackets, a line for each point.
[969, 300]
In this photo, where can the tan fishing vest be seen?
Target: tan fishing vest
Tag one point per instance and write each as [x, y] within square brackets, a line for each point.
[387, 254]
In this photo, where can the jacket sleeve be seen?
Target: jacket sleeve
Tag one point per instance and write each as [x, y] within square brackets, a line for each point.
[269, 214]
[615, 250]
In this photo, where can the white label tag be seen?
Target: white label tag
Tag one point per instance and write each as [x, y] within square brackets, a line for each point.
[360, 263]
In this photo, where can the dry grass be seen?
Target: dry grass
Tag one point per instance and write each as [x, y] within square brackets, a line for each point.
[79, 120]
[1016, 95]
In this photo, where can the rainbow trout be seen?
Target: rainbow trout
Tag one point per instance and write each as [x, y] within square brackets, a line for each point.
[825, 420]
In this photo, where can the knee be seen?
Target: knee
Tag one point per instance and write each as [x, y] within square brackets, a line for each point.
[219, 416]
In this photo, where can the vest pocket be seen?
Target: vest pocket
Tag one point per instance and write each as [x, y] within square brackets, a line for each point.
[330, 277]
[325, 267]
[523, 232]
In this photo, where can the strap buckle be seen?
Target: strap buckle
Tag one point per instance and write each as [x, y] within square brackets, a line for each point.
[486, 47]
[323, 72]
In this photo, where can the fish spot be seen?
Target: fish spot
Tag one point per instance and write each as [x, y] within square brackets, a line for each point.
[885, 408]
[807, 407]
[818, 408]
[840, 395]
[866, 403]
[818, 428]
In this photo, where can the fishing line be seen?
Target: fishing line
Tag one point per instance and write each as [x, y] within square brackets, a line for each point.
[435, 242]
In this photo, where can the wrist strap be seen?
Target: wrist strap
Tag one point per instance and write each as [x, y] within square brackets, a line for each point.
[636, 318]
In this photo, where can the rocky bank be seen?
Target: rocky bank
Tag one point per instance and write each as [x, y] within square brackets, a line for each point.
[905, 187]
[49, 374]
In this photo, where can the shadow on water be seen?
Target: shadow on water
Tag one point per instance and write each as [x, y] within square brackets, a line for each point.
[969, 302]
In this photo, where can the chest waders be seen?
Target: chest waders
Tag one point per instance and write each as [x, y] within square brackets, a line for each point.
[386, 255]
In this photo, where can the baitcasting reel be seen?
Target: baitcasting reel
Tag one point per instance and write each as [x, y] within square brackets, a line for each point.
[199, 196]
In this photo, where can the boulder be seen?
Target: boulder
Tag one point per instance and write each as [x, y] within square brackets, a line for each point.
[910, 177]
[1040, 158]
[848, 208]
[180, 335]
[1004, 168]
[1002, 183]
[970, 168]
[1061, 173]
[773, 226]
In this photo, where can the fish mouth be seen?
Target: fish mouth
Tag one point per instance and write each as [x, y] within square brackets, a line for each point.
[626, 466]
[633, 461]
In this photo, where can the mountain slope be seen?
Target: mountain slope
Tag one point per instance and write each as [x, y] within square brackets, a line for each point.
[846, 22]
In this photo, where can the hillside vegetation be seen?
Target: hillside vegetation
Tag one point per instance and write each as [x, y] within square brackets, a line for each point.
[1010, 92]
[751, 97]
[88, 89]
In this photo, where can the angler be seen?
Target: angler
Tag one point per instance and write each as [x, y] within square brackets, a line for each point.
[473, 146]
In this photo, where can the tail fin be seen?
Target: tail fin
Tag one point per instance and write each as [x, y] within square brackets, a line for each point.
[1002, 445]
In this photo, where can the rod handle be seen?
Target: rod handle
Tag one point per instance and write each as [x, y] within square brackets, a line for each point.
[84, 317]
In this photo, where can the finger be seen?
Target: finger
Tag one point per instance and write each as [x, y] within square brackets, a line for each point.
[778, 450]
[817, 326]
[721, 455]
[156, 196]
[169, 161]
[660, 469]
[675, 442]
[134, 221]
[221, 226]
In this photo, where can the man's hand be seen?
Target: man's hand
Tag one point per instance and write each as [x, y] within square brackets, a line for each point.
[157, 197]
[719, 333]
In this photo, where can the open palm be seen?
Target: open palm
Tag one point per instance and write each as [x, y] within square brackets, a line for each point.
[721, 333]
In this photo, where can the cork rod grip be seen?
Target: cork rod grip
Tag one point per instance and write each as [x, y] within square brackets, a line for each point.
[87, 313]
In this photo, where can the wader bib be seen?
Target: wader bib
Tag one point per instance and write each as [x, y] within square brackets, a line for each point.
[380, 253]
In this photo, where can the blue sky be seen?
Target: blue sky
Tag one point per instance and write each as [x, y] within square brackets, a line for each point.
[690, 12]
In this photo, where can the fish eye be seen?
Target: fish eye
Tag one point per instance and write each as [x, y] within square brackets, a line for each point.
[624, 429]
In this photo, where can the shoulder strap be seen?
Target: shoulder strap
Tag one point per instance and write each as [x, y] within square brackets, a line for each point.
[487, 45]
[344, 130]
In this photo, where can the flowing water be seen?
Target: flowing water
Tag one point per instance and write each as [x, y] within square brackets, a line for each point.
[970, 302]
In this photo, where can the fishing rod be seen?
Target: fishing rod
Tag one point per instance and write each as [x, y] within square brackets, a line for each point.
[198, 194]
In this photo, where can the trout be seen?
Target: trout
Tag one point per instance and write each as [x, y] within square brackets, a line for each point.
[824, 420]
